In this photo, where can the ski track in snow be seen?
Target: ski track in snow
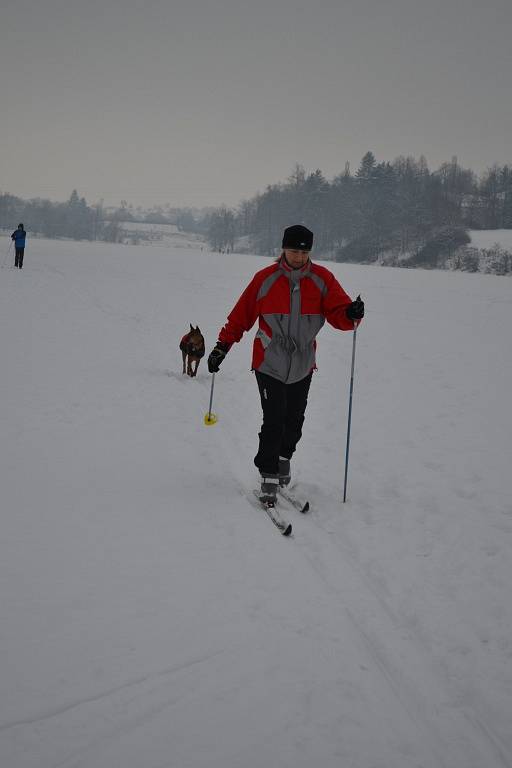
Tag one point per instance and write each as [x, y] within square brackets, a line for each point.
[131, 684]
[413, 677]
[377, 636]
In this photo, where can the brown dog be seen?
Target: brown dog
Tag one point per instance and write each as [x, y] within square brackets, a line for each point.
[192, 350]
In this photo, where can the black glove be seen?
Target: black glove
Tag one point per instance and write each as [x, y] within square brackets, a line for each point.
[355, 310]
[216, 356]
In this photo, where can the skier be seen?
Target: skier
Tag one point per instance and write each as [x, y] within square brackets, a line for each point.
[292, 299]
[19, 236]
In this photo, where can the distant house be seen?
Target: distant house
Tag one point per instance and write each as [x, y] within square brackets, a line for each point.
[144, 233]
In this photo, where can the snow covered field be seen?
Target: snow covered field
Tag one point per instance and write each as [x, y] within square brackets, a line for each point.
[487, 238]
[150, 617]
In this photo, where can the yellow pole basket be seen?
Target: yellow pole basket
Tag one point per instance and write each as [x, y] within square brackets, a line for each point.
[210, 418]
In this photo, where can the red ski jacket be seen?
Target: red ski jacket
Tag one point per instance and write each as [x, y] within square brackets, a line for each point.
[291, 305]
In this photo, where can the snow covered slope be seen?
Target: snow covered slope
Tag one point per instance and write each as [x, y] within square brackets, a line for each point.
[151, 617]
[487, 238]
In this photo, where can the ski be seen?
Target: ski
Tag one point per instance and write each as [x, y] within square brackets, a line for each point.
[301, 506]
[273, 513]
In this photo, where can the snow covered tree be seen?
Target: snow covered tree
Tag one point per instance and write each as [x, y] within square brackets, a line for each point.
[221, 231]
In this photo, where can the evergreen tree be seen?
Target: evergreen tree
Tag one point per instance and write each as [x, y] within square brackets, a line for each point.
[366, 167]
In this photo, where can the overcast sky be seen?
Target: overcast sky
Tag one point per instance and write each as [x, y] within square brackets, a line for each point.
[203, 102]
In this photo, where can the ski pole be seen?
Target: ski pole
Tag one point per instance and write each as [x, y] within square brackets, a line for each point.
[210, 418]
[350, 409]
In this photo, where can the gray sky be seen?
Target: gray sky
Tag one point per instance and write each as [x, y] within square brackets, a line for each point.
[203, 102]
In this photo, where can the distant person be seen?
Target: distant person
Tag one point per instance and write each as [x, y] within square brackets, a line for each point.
[19, 236]
[291, 299]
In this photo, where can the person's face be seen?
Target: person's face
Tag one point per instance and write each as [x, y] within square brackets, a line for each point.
[296, 259]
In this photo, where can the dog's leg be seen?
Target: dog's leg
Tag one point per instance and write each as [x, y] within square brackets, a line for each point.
[184, 355]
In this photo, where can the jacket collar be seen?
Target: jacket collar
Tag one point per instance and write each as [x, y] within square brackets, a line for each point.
[294, 274]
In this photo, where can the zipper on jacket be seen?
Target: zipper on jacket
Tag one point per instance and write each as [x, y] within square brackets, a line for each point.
[293, 287]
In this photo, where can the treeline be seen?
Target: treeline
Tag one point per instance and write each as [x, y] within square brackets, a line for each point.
[77, 220]
[391, 212]
[74, 218]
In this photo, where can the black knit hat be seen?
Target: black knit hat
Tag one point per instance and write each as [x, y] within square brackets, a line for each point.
[298, 238]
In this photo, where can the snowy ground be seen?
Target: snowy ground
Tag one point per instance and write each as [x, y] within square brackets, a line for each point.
[150, 617]
[487, 238]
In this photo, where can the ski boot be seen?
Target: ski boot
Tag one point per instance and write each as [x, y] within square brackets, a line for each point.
[269, 485]
[284, 471]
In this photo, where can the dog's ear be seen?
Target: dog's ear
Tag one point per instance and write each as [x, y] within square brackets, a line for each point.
[197, 329]
[191, 327]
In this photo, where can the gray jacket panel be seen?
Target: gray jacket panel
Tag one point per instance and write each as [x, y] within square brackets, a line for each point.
[290, 353]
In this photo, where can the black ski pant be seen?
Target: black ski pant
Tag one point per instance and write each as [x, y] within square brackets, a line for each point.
[283, 406]
[18, 259]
